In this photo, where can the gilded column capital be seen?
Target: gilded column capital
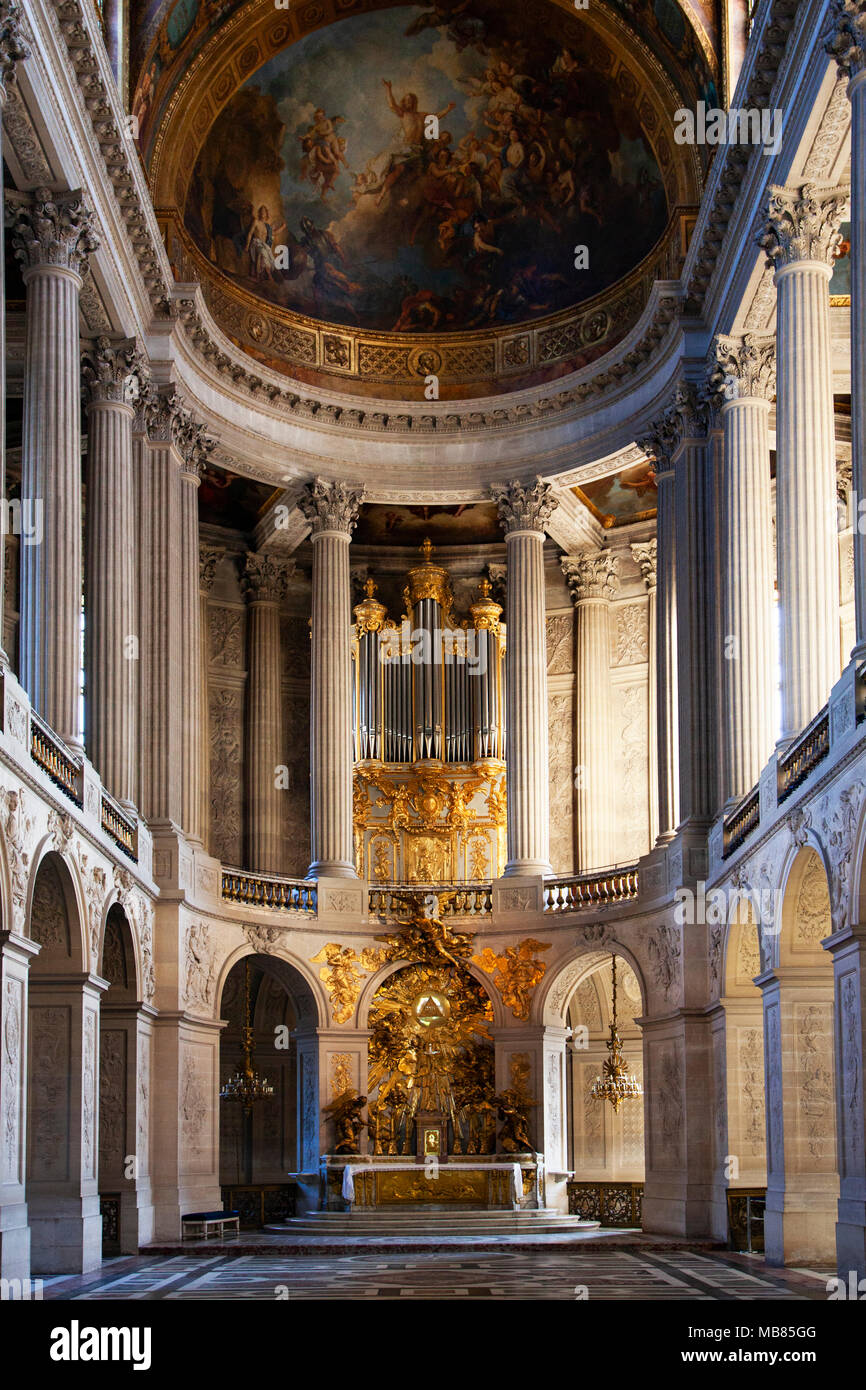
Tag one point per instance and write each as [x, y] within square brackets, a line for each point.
[803, 224]
[524, 508]
[115, 371]
[645, 555]
[51, 229]
[741, 368]
[591, 574]
[845, 39]
[13, 49]
[209, 557]
[265, 579]
[331, 506]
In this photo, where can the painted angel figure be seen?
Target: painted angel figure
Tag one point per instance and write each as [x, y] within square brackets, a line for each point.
[324, 151]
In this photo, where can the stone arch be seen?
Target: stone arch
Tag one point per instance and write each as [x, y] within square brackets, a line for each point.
[315, 1012]
[560, 982]
[56, 913]
[806, 917]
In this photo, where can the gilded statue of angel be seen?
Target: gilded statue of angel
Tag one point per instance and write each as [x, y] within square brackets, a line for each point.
[513, 1108]
[515, 973]
[345, 1111]
[342, 975]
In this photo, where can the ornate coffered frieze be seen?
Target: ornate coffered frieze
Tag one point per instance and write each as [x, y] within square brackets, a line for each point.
[266, 579]
[49, 228]
[524, 508]
[115, 372]
[594, 574]
[645, 555]
[741, 368]
[845, 39]
[803, 224]
[331, 506]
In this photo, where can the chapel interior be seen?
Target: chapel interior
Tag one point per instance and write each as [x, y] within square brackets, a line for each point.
[433, 628]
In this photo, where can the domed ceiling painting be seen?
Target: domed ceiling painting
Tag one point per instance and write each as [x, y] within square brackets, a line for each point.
[416, 170]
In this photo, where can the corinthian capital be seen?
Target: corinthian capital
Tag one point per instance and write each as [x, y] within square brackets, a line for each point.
[645, 554]
[51, 229]
[845, 40]
[331, 506]
[115, 372]
[742, 367]
[13, 49]
[524, 508]
[170, 421]
[803, 224]
[688, 416]
[592, 574]
[209, 557]
[265, 579]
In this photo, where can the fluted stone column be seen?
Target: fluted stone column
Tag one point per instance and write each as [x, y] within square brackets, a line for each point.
[743, 378]
[659, 445]
[12, 52]
[696, 666]
[593, 578]
[264, 582]
[800, 236]
[209, 558]
[52, 236]
[645, 555]
[193, 447]
[114, 375]
[847, 42]
[332, 508]
[524, 513]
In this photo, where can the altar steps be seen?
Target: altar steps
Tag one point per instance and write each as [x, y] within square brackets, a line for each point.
[426, 1226]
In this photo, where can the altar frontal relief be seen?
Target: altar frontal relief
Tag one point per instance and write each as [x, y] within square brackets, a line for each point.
[419, 169]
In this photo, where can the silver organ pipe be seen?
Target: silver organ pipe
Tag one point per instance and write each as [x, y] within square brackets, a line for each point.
[428, 691]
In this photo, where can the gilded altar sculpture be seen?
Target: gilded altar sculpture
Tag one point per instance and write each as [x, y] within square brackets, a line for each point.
[515, 973]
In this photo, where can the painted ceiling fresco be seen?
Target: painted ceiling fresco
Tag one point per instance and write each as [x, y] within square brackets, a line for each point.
[428, 169]
[621, 497]
[469, 523]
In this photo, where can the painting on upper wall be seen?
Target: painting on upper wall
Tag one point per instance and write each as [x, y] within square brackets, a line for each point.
[840, 283]
[622, 497]
[469, 523]
[416, 169]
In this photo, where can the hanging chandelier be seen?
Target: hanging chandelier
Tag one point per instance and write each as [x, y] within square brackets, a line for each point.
[247, 1086]
[618, 1084]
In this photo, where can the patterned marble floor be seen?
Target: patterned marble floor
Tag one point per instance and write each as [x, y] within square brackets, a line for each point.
[576, 1274]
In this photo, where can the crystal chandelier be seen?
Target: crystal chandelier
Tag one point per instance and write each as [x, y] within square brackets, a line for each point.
[618, 1085]
[247, 1086]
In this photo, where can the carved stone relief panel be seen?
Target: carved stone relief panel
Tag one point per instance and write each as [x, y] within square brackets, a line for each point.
[561, 782]
[112, 1101]
[197, 1099]
[225, 708]
[49, 1073]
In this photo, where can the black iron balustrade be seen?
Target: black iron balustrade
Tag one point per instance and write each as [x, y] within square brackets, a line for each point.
[741, 822]
[805, 754]
[51, 754]
[119, 826]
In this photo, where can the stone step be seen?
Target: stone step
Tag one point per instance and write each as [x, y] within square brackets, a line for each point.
[423, 1222]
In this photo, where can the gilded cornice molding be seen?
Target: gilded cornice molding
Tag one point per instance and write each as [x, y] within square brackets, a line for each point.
[13, 49]
[845, 39]
[742, 368]
[330, 506]
[803, 224]
[593, 574]
[523, 508]
[266, 579]
[51, 229]
[115, 371]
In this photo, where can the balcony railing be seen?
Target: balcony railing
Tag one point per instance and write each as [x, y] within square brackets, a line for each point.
[51, 754]
[268, 890]
[591, 890]
[741, 822]
[806, 753]
[119, 826]
[462, 900]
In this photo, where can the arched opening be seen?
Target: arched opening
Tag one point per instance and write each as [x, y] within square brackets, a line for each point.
[62, 1118]
[124, 1066]
[802, 1174]
[262, 1143]
[738, 1066]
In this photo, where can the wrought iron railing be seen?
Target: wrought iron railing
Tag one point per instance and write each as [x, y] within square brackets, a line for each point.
[805, 753]
[51, 754]
[591, 890]
[268, 890]
[611, 1203]
[741, 822]
[119, 826]
[455, 899]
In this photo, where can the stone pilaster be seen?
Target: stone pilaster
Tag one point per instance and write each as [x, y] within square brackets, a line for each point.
[12, 52]
[209, 558]
[15, 955]
[52, 236]
[332, 509]
[193, 447]
[848, 948]
[265, 581]
[114, 374]
[645, 555]
[799, 238]
[743, 380]
[593, 578]
[847, 43]
[658, 445]
[524, 513]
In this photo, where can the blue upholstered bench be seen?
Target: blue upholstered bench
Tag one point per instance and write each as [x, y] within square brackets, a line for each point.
[201, 1223]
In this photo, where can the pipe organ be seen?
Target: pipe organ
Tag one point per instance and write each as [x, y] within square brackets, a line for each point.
[429, 734]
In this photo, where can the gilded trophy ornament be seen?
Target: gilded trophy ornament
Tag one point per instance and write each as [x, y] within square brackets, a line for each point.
[515, 973]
